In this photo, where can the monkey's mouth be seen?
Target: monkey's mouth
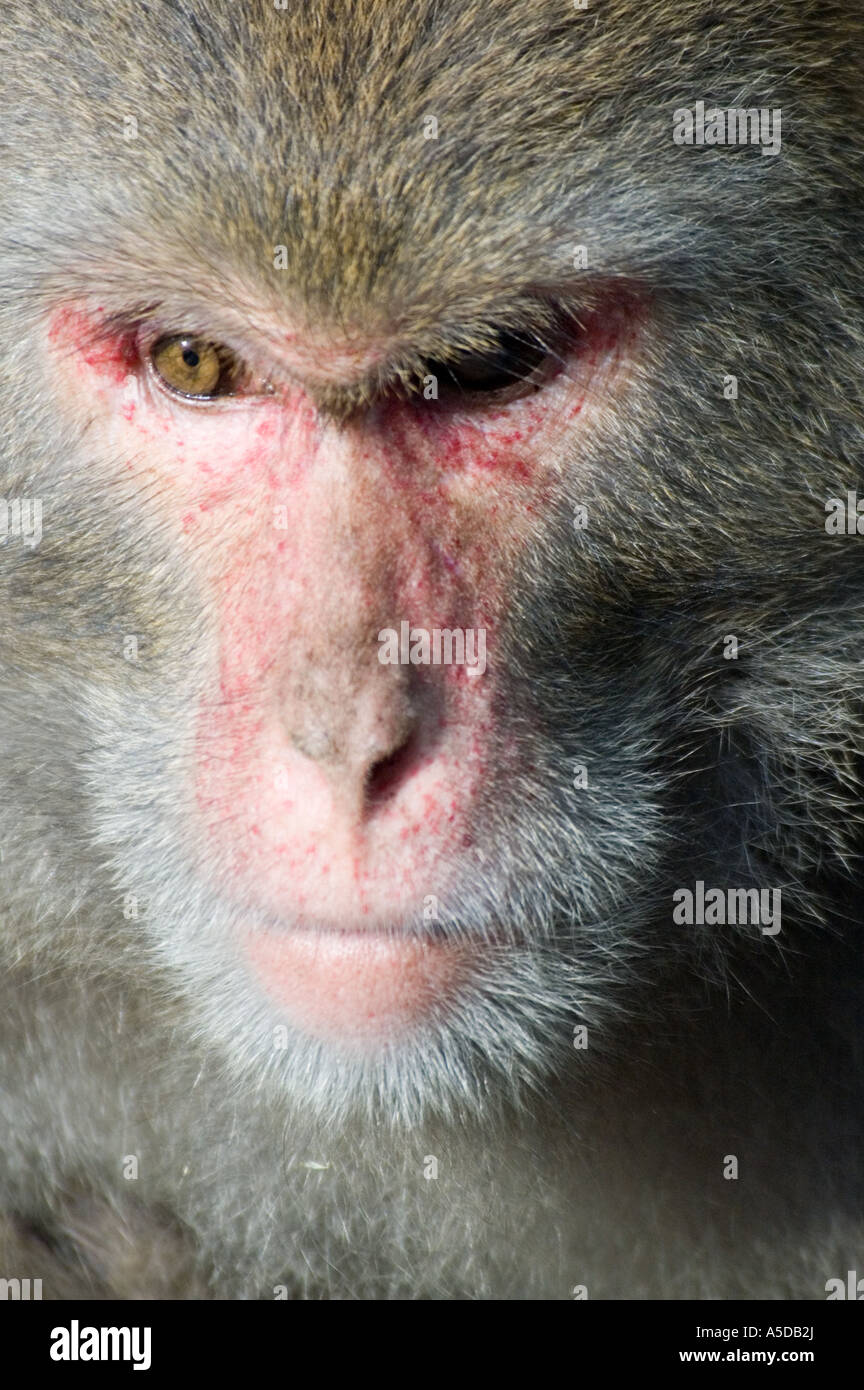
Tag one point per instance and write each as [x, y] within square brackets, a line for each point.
[361, 987]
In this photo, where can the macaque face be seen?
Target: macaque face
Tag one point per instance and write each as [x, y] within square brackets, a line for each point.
[338, 808]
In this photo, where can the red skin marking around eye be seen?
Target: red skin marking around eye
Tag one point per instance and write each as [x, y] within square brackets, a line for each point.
[112, 356]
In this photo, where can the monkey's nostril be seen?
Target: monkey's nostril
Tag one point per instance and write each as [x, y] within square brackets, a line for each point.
[385, 777]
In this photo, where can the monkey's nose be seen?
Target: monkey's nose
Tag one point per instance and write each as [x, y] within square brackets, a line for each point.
[387, 774]
[364, 736]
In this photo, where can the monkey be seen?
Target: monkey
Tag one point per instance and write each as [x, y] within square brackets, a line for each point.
[430, 716]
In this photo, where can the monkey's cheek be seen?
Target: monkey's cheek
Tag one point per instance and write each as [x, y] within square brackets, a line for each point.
[353, 987]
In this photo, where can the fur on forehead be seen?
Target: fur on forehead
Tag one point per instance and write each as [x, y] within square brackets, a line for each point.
[545, 137]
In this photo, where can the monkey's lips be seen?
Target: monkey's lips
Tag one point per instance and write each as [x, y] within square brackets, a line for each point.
[355, 986]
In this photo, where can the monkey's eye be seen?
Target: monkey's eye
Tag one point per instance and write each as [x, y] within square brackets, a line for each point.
[514, 364]
[193, 367]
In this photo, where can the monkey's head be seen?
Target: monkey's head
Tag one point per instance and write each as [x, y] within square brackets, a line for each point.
[373, 367]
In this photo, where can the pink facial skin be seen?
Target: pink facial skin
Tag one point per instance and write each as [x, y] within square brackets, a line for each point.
[359, 986]
[337, 791]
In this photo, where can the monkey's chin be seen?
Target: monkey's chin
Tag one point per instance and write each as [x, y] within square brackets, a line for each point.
[361, 988]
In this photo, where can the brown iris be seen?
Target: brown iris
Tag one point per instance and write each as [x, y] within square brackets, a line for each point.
[192, 366]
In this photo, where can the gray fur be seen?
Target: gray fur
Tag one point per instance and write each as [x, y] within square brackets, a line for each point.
[557, 1167]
